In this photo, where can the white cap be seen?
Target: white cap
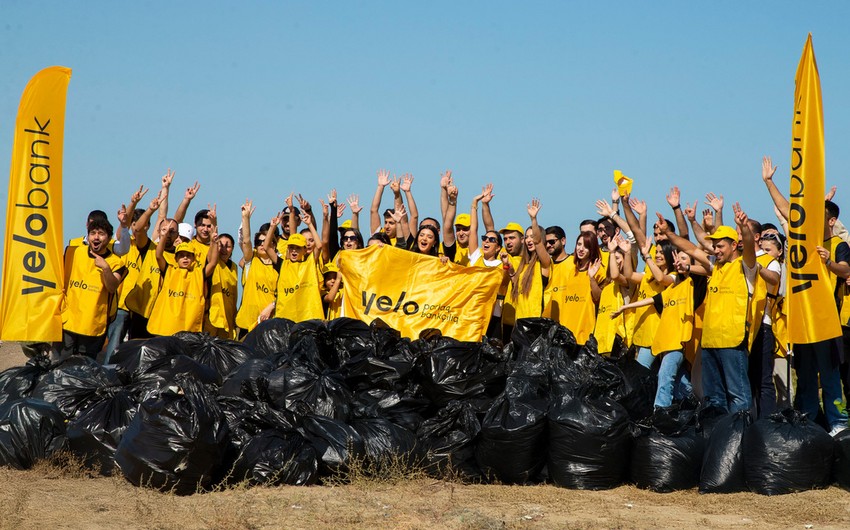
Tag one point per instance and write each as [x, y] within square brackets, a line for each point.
[186, 230]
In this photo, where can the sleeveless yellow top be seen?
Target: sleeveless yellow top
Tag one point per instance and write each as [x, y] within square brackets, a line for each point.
[179, 306]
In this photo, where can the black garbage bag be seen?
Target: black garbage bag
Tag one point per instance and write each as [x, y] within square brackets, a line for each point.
[275, 457]
[841, 464]
[383, 360]
[541, 338]
[667, 455]
[589, 442]
[310, 342]
[269, 337]
[304, 389]
[95, 432]
[222, 355]
[787, 453]
[30, 430]
[136, 356]
[18, 382]
[336, 443]
[573, 369]
[637, 391]
[243, 381]
[248, 418]
[447, 441]
[387, 445]
[76, 383]
[405, 408]
[176, 441]
[450, 369]
[351, 338]
[723, 460]
[512, 444]
[165, 370]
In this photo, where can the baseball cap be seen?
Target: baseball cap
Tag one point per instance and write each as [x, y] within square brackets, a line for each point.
[462, 219]
[186, 230]
[330, 267]
[512, 227]
[724, 232]
[346, 225]
[184, 247]
[296, 240]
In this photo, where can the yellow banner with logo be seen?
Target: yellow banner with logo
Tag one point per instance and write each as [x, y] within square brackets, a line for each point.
[32, 255]
[812, 313]
[412, 292]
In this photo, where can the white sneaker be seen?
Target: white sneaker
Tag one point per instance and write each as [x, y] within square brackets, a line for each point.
[837, 429]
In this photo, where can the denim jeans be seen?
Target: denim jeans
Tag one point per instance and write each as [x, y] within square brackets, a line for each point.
[645, 357]
[813, 362]
[673, 380]
[724, 378]
[115, 334]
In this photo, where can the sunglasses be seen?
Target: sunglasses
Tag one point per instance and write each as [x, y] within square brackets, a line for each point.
[349, 238]
[772, 236]
[491, 239]
[551, 242]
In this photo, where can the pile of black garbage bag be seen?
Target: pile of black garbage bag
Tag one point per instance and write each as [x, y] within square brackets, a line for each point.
[298, 403]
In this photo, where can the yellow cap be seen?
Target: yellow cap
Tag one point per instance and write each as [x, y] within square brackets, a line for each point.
[296, 240]
[346, 225]
[462, 219]
[330, 267]
[184, 247]
[724, 232]
[624, 183]
[512, 227]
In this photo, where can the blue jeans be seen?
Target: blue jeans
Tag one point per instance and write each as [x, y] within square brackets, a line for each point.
[645, 357]
[673, 379]
[115, 334]
[724, 379]
[811, 361]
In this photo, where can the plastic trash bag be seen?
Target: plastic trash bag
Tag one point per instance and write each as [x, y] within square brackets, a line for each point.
[589, 442]
[176, 440]
[723, 460]
[450, 369]
[841, 464]
[248, 418]
[75, 383]
[270, 337]
[165, 370]
[18, 382]
[95, 432]
[30, 430]
[304, 389]
[787, 453]
[386, 444]
[637, 391]
[336, 443]
[244, 381]
[136, 356]
[274, 457]
[447, 441]
[222, 355]
[402, 408]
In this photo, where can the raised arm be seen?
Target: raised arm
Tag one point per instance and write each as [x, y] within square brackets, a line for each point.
[374, 213]
[269, 243]
[533, 208]
[163, 201]
[657, 273]
[148, 213]
[606, 210]
[307, 219]
[449, 237]
[160, 248]
[246, 240]
[749, 244]
[354, 204]
[406, 183]
[445, 181]
[629, 207]
[212, 255]
[486, 215]
[473, 221]
[779, 200]
[403, 231]
[683, 244]
[716, 203]
[673, 199]
[180, 214]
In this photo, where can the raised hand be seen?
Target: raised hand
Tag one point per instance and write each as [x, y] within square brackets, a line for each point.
[715, 201]
[691, 211]
[446, 179]
[533, 208]
[612, 242]
[740, 216]
[594, 267]
[615, 195]
[332, 196]
[488, 194]
[673, 197]
[247, 209]
[625, 245]
[306, 218]
[212, 215]
[831, 193]
[767, 169]
[154, 205]
[354, 204]
[398, 213]
[303, 204]
[276, 219]
[167, 178]
[192, 191]
[708, 219]
[340, 208]
[122, 215]
[325, 209]
[406, 182]
[638, 206]
[137, 195]
[395, 184]
[452, 193]
[663, 227]
[604, 209]
[288, 200]
[383, 177]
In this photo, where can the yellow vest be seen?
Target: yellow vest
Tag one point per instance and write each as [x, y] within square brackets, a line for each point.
[87, 306]
[222, 299]
[676, 325]
[142, 294]
[461, 255]
[508, 310]
[607, 328]
[779, 319]
[201, 250]
[572, 302]
[131, 260]
[530, 304]
[646, 318]
[259, 282]
[557, 283]
[842, 293]
[179, 306]
[758, 303]
[335, 307]
[298, 294]
[727, 315]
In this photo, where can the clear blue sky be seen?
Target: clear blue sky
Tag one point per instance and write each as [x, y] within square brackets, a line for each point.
[543, 99]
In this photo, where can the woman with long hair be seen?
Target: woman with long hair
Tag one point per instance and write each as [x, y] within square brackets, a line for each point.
[575, 301]
[529, 279]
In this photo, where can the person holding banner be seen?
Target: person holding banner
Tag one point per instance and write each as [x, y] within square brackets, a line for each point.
[90, 292]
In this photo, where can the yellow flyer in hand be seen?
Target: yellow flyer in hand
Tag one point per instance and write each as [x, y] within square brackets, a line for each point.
[624, 183]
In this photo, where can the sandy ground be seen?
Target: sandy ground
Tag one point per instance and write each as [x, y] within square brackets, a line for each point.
[62, 496]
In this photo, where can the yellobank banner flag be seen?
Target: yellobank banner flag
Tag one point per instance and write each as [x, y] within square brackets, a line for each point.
[812, 313]
[32, 257]
[412, 292]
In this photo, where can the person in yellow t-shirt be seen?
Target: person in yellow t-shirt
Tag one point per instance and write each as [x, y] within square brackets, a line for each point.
[532, 274]
[332, 299]
[220, 317]
[179, 306]
[259, 278]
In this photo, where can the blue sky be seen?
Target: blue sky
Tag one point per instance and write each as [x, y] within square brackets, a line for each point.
[545, 99]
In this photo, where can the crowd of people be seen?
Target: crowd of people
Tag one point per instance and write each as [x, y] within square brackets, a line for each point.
[706, 307]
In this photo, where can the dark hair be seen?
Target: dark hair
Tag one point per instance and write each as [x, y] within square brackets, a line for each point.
[591, 244]
[498, 236]
[769, 226]
[286, 211]
[436, 223]
[357, 235]
[670, 224]
[556, 231]
[588, 222]
[228, 236]
[609, 227]
[264, 228]
[102, 224]
[434, 249]
[96, 214]
[755, 226]
[201, 215]
[388, 213]
[137, 213]
[667, 250]
[382, 237]
[832, 209]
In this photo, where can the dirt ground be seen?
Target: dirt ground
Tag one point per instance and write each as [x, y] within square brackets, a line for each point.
[52, 496]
